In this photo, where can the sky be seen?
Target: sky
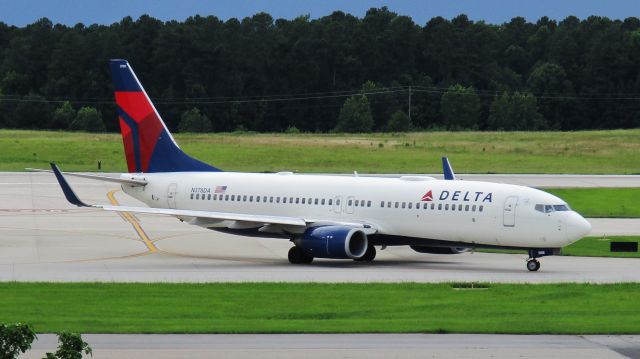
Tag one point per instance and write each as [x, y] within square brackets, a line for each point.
[70, 12]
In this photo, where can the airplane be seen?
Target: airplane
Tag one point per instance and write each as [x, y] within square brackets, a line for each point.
[326, 216]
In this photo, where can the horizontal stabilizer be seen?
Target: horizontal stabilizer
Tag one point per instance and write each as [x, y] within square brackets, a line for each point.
[132, 182]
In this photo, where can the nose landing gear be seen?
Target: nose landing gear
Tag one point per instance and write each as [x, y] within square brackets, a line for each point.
[533, 264]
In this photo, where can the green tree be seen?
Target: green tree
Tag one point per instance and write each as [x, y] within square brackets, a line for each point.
[460, 107]
[15, 339]
[518, 111]
[87, 119]
[355, 115]
[194, 121]
[63, 116]
[71, 347]
[399, 122]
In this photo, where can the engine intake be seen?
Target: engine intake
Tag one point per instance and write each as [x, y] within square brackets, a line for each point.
[337, 242]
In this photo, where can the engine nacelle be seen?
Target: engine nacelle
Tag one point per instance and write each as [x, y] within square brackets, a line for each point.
[337, 242]
[439, 250]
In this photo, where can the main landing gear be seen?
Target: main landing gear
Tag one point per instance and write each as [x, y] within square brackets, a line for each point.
[533, 264]
[368, 256]
[298, 256]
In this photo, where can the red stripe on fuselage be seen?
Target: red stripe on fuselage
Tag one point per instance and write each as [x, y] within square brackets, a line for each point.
[136, 105]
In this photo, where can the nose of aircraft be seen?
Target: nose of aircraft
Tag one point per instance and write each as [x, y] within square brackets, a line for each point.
[577, 227]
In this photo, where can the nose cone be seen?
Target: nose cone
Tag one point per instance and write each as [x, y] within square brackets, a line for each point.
[577, 227]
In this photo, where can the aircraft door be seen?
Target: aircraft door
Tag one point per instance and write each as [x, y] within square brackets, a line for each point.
[349, 205]
[171, 195]
[509, 213]
[337, 204]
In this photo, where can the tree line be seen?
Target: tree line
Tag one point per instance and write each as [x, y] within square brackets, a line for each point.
[381, 72]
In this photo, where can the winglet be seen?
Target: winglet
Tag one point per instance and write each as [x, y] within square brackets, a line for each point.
[447, 170]
[68, 191]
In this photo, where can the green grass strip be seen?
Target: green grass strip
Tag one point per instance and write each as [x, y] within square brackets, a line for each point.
[614, 152]
[586, 247]
[322, 308]
[601, 202]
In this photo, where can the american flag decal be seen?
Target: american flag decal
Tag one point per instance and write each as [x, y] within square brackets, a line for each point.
[220, 189]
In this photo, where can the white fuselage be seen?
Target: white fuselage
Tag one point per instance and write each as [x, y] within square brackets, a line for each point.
[459, 211]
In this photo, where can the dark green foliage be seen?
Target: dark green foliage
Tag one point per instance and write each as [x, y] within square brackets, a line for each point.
[399, 122]
[71, 347]
[15, 339]
[513, 112]
[194, 121]
[355, 115]
[264, 74]
[63, 116]
[460, 107]
[87, 119]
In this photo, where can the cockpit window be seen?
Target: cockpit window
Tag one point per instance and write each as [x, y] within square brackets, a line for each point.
[547, 208]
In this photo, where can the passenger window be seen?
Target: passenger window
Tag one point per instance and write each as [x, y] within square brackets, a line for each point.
[433, 206]
[330, 201]
[388, 204]
[410, 205]
[403, 204]
[439, 206]
[215, 197]
[382, 204]
[290, 199]
[250, 198]
[337, 202]
[192, 196]
[244, 198]
[349, 203]
[356, 204]
[473, 208]
[284, 199]
[480, 208]
[297, 200]
[446, 207]
[316, 202]
[425, 206]
[397, 204]
[257, 198]
[277, 199]
[271, 199]
[466, 208]
[203, 197]
[322, 202]
[368, 203]
[197, 195]
[233, 197]
[459, 207]
[303, 200]
[310, 201]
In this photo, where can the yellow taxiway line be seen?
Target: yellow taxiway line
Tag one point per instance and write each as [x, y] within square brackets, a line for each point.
[134, 222]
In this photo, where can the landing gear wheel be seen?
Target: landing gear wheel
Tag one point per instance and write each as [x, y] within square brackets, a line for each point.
[368, 256]
[533, 265]
[298, 256]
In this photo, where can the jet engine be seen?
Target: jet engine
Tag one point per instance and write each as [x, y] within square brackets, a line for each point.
[337, 242]
[439, 250]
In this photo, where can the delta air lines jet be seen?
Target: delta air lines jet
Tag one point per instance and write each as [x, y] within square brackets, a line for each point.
[324, 216]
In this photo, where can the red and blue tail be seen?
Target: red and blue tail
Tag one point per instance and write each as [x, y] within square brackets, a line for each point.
[148, 144]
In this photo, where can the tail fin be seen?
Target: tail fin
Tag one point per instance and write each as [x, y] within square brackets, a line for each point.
[148, 144]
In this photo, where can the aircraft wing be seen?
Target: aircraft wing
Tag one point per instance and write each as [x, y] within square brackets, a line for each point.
[206, 215]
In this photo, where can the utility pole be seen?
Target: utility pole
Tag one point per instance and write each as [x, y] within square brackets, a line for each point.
[409, 103]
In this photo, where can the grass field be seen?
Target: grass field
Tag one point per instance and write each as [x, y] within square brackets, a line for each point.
[601, 202]
[586, 247]
[322, 308]
[614, 152]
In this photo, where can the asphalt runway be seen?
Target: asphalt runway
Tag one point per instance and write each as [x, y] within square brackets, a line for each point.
[43, 238]
[352, 346]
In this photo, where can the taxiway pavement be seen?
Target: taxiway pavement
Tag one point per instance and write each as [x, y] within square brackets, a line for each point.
[296, 346]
